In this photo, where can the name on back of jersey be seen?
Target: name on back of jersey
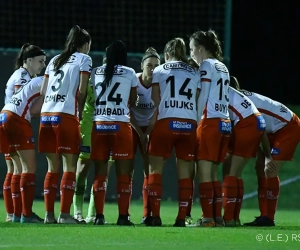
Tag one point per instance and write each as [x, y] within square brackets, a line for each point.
[179, 104]
[109, 111]
[55, 98]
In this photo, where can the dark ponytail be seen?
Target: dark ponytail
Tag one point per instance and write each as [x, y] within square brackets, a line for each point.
[116, 54]
[27, 51]
[234, 83]
[77, 38]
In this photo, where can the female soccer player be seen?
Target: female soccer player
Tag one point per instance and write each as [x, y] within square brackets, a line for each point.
[140, 118]
[17, 139]
[84, 161]
[64, 89]
[279, 144]
[248, 129]
[30, 62]
[114, 85]
[214, 129]
[174, 90]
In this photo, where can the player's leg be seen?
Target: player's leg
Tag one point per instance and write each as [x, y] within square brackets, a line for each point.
[28, 177]
[83, 166]
[7, 196]
[123, 154]
[188, 218]
[161, 143]
[15, 187]
[47, 143]
[212, 148]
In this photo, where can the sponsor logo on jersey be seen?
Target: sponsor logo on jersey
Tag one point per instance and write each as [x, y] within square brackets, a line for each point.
[51, 119]
[261, 123]
[224, 127]
[178, 66]
[221, 67]
[3, 117]
[72, 59]
[181, 126]
[107, 127]
[117, 71]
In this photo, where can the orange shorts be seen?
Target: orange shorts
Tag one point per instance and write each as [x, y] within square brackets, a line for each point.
[115, 137]
[59, 133]
[137, 141]
[213, 135]
[246, 136]
[15, 133]
[285, 141]
[172, 133]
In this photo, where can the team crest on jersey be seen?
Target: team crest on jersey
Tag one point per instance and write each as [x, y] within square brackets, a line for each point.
[72, 59]
[221, 67]
[178, 66]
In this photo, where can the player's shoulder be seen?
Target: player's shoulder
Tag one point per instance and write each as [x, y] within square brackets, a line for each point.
[81, 56]
[138, 74]
[214, 64]
[37, 80]
[20, 73]
[159, 68]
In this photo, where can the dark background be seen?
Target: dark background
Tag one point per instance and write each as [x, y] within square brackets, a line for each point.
[264, 42]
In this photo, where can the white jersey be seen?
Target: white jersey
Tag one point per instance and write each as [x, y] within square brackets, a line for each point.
[275, 113]
[24, 97]
[216, 74]
[111, 103]
[20, 77]
[178, 83]
[145, 109]
[240, 106]
[62, 90]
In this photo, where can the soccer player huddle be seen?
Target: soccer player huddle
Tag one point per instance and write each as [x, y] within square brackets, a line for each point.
[101, 115]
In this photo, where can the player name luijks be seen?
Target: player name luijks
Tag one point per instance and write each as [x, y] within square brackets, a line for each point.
[55, 98]
[223, 108]
[15, 101]
[109, 111]
[179, 104]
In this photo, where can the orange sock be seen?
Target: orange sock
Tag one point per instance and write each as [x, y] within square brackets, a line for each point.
[206, 199]
[124, 191]
[27, 193]
[230, 192]
[99, 188]
[67, 189]
[262, 196]
[130, 195]
[16, 195]
[272, 187]
[189, 208]
[50, 189]
[217, 199]
[145, 198]
[185, 192]
[239, 200]
[154, 193]
[7, 194]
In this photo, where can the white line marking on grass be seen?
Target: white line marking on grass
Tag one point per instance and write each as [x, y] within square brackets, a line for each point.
[282, 183]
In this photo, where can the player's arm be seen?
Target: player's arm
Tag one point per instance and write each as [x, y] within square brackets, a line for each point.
[205, 81]
[85, 72]
[35, 109]
[155, 96]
